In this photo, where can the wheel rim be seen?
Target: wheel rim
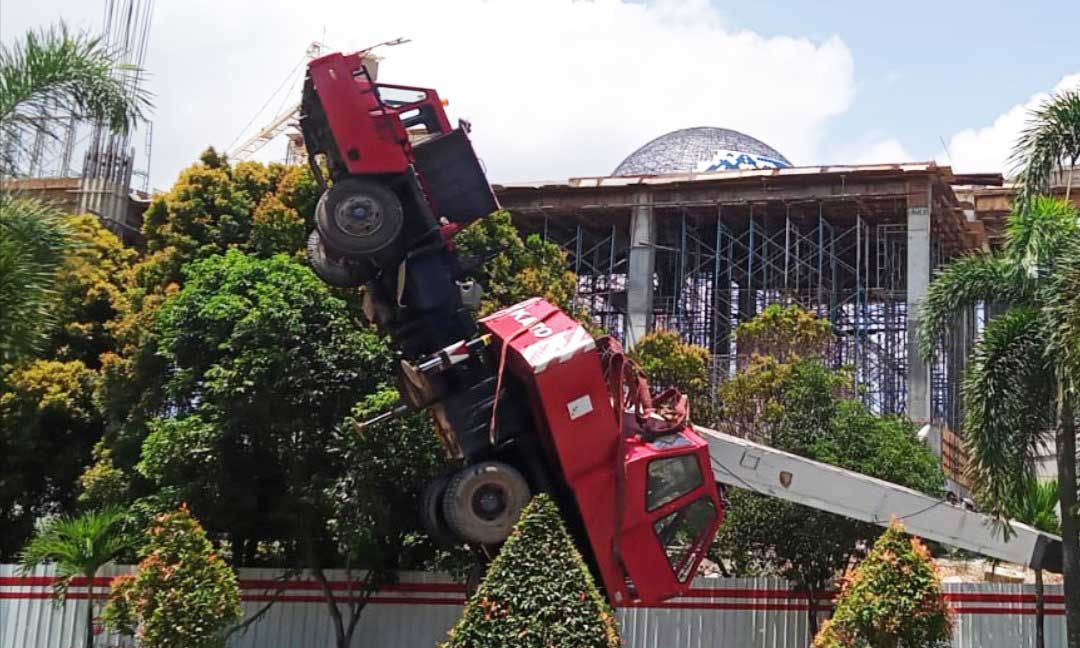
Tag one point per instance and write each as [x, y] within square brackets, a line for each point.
[489, 502]
[358, 215]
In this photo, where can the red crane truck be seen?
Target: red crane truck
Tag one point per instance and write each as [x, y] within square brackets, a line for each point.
[525, 399]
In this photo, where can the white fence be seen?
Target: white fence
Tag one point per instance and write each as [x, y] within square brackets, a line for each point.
[416, 612]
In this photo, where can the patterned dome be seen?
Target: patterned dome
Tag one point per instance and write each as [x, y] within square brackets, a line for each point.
[701, 149]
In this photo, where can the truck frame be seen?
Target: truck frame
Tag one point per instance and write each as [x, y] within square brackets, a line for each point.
[526, 399]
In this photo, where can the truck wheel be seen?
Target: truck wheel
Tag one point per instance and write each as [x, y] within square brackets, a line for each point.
[358, 217]
[483, 502]
[431, 515]
[333, 271]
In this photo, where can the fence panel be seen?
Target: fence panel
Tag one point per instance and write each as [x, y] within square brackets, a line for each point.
[417, 611]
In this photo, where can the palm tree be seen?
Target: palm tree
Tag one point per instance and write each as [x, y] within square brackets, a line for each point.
[1035, 504]
[78, 546]
[53, 73]
[1021, 381]
[1049, 142]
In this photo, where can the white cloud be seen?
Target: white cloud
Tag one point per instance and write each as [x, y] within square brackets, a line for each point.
[987, 149]
[873, 148]
[554, 88]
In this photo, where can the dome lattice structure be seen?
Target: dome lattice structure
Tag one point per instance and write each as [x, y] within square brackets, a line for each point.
[701, 149]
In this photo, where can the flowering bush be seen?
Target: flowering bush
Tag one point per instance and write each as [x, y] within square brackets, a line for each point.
[183, 595]
[893, 599]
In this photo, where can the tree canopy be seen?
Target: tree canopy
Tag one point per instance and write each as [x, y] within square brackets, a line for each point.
[790, 399]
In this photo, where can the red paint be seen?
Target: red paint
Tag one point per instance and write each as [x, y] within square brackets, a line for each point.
[775, 599]
[1007, 604]
[370, 136]
[553, 355]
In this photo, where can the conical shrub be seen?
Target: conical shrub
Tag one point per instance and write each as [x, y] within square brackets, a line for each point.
[538, 593]
[893, 599]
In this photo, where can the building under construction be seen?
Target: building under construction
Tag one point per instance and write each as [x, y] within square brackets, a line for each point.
[702, 228]
[81, 165]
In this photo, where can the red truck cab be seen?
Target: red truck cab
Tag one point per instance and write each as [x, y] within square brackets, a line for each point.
[648, 537]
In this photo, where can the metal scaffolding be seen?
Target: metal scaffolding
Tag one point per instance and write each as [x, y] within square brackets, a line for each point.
[719, 265]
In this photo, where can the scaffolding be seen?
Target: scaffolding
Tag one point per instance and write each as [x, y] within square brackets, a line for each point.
[718, 265]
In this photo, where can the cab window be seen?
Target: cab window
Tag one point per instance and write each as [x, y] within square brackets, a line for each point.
[670, 478]
[680, 533]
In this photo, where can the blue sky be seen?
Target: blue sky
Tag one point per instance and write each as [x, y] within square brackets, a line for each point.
[925, 70]
[563, 88]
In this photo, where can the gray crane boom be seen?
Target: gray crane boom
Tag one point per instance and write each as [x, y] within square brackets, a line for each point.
[772, 472]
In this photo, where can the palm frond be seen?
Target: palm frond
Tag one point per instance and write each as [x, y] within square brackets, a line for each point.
[966, 282]
[1037, 236]
[1034, 503]
[1050, 139]
[53, 72]
[1007, 391]
[77, 546]
[1063, 313]
[34, 242]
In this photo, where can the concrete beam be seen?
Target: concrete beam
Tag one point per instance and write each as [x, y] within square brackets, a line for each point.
[642, 267]
[919, 403]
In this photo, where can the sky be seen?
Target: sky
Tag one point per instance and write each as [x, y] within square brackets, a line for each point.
[564, 88]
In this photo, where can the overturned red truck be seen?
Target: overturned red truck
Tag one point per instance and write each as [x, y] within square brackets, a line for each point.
[526, 399]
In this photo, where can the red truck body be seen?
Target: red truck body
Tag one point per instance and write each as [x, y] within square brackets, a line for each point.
[525, 399]
[559, 360]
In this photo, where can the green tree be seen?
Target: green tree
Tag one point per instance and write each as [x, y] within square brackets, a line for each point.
[48, 425]
[893, 599]
[183, 594]
[802, 406]
[1035, 503]
[538, 592]
[55, 72]
[260, 365]
[670, 362]
[1022, 378]
[78, 546]
[526, 267]
[1050, 142]
[785, 333]
[90, 285]
[372, 481]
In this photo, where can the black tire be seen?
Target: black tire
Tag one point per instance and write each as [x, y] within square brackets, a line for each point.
[333, 271]
[431, 515]
[484, 501]
[359, 219]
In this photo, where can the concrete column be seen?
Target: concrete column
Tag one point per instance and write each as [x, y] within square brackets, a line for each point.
[642, 266]
[918, 281]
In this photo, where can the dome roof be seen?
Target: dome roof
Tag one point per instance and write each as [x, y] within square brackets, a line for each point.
[701, 149]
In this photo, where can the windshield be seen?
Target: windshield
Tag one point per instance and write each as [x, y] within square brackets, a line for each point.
[671, 478]
[681, 534]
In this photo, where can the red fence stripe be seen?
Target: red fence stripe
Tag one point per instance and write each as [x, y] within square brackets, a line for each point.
[677, 605]
[1007, 611]
[770, 596]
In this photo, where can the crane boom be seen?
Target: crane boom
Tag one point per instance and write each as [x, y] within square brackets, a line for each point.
[759, 468]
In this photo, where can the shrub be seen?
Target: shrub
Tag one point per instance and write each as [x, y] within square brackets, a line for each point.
[183, 595]
[537, 593]
[893, 599]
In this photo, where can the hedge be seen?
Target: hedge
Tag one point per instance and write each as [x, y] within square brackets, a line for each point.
[538, 592]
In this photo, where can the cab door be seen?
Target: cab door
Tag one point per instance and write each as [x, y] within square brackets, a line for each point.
[672, 512]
